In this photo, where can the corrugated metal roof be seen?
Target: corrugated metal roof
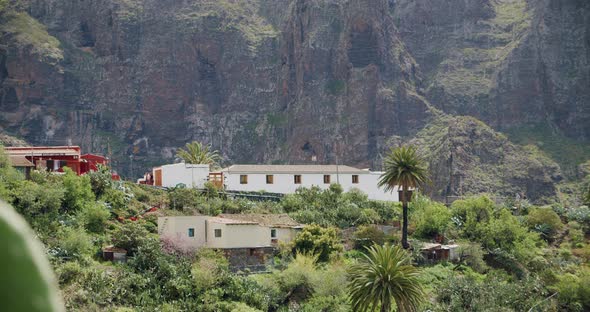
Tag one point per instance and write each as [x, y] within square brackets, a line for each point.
[19, 161]
[271, 220]
[43, 150]
[293, 169]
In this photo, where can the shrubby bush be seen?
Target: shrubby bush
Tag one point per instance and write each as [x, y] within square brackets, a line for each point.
[130, 235]
[73, 243]
[430, 218]
[581, 215]
[467, 293]
[544, 221]
[94, 217]
[332, 207]
[366, 236]
[317, 240]
[471, 214]
[183, 198]
[472, 255]
[209, 269]
[33, 200]
[573, 291]
[507, 234]
[77, 191]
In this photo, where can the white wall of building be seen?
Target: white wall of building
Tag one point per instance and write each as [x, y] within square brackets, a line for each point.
[238, 235]
[284, 183]
[192, 175]
[176, 230]
[286, 235]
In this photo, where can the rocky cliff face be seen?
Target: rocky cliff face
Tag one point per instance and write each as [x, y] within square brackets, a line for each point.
[506, 62]
[285, 80]
[467, 157]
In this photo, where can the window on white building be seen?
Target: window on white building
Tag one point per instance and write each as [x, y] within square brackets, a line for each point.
[326, 179]
[355, 179]
[191, 232]
[297, 179]
[273, 233]
[243, 179]
[217, 232]
[269, 179]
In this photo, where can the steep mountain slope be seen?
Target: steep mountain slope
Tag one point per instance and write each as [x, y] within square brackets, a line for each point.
[286, 80]
[507, 62]
[466, 156]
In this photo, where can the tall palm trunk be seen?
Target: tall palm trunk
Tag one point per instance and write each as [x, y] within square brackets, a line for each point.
[405, 217]
[385, 304]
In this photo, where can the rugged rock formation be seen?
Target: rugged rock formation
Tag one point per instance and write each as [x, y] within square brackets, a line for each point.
[285, 80]
[466, 156]
[507, 62]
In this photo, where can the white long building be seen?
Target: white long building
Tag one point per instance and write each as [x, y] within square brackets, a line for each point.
[281, 179]
[286, 179]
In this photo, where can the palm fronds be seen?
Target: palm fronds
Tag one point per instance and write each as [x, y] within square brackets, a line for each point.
[385, 276]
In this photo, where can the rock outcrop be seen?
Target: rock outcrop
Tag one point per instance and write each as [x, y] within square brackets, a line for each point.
[468, 157]
[285, 80]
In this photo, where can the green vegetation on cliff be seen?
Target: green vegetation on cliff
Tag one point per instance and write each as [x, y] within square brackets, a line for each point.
[470, 71]
[567, 152]
[226, 16]
[468, 157]
[31, 34]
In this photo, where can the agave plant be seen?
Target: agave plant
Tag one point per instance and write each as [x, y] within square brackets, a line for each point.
[385, 276]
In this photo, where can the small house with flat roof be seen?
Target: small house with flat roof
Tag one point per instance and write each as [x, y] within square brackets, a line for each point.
[248, 241]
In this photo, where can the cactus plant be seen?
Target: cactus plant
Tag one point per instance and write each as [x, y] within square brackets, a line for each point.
[28, 283]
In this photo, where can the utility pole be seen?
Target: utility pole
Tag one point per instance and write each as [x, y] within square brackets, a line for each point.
[131, 165]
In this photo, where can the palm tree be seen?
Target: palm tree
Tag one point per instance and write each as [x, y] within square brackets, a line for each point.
[405, 168]
[385, 276]
[197, 153]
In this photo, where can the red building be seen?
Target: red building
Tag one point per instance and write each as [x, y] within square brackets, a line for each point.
[54, 158]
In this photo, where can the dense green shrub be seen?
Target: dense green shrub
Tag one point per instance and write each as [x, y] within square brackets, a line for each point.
[77, 191]
[33, 200]
[506, 233]
[209, 269]
[100, 180]
[69, 272]
[581, 215]
[130, 235]
[183, 198]
[573, 291]
[472, 255]
[333, 207]
[472, 213]
[544, 221]
[367, 235]
[317, 240]
[467, 293]
[95, 217]
[430, 218]
[74, 243]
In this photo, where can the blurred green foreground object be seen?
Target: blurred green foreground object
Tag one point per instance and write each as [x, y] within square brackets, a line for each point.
[26, 280]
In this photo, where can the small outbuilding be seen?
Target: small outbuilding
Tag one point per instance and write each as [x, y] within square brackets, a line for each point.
[439, 252]
[114, 254]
